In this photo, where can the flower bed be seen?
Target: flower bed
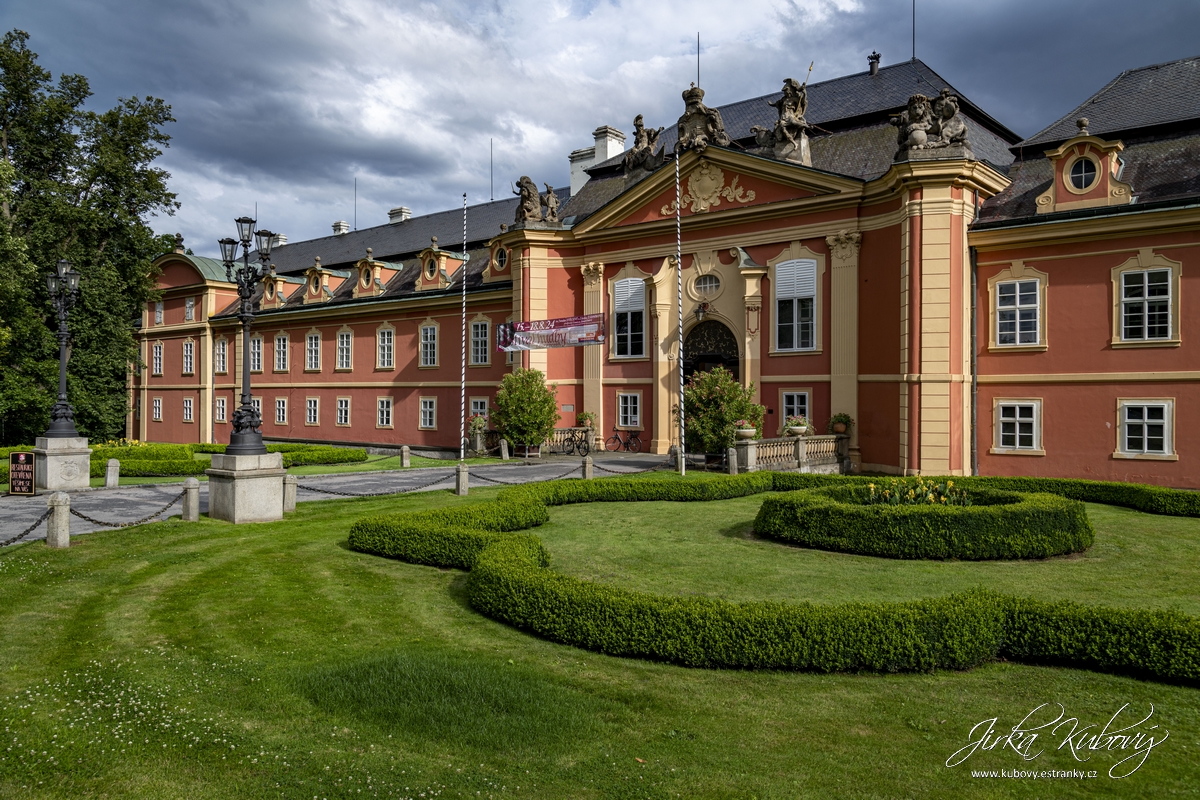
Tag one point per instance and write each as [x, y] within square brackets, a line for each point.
[996, 524]
[510, 580]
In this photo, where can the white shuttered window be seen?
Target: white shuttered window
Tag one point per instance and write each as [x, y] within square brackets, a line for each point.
[795, 304]
[629, 305]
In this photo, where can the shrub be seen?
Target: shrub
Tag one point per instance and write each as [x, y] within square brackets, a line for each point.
[322, 455]
[918, 492]
[155, 468]
[144, 452]
[713, 405]
[526, 409]
[999, 525]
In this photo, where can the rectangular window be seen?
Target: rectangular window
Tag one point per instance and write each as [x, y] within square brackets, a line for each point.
[156, 360]
[312, 351]
[1146, 305]
[189, 309]
[385, 358]
[281, 353]
[343, 350]
[480, 352]
[1017, 312]
[428, 412]
[1145, 428]
[479, 405]
[1018, 427]
[795, 404]
[280, 410]
[311, 409]
[158, 313]
[428, 346]
[384, 419]
[220, 411]
[256, 348]
[187, 409]
[629, 305]
[628, 410]
[156, 409]
[188, 357]
[221, 356]
[137, 408]
[343, 411]
[256, 403]
[795, 305]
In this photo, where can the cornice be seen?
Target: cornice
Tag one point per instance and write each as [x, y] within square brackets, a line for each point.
[1093, 228]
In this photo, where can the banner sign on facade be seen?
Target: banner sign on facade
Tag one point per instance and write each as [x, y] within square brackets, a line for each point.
[539, 334]
[21, 474]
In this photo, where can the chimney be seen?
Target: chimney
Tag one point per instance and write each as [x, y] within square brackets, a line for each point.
[609, 142]
[179, 248]
[873, 61]
[278, 240]
[398, 215]
[341, 227]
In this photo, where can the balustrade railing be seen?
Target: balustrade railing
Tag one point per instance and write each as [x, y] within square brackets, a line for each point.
[805, 453]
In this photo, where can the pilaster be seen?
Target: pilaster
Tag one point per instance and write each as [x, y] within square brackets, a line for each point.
[843, 318]
[664, 315]
[593, 357]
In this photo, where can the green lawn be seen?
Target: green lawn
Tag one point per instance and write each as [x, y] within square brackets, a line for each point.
[217, 661]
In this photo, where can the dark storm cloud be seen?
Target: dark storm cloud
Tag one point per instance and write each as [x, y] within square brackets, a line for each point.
[286, 104]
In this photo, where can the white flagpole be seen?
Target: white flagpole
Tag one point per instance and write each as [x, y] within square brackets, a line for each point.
[462, 396]
[679, 293]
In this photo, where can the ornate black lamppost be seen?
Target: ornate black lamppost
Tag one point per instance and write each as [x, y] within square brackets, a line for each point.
[63, 284]
[246, 439]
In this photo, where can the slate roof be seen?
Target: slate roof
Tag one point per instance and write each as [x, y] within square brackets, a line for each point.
[1160, 94]
[401, 240]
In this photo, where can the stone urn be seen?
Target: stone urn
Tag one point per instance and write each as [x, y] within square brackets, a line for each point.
[839, 427]
[746, 433]
[797, 430]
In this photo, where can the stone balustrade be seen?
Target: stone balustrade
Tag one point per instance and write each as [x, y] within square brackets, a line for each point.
[823, 454]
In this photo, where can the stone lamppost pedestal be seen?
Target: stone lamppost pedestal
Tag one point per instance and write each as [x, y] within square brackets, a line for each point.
[62, 464]
[246, 488]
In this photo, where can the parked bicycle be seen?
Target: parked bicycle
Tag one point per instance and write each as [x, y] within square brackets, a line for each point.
[578, 442]
[631, 442]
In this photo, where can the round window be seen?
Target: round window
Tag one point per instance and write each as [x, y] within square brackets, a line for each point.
[316, 284]
[366, 278]
[1083, 174]
[430, 269]
[707, 285]
[269, 291]
[501, 259]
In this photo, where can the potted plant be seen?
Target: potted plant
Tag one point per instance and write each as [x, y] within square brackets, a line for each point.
[586, 419]
[840, 423]
[716, 404]
[476, 425]
[796, 426]
[745, 429]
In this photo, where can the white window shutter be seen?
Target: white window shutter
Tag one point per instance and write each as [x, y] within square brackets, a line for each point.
[630, 295]
[796, 278]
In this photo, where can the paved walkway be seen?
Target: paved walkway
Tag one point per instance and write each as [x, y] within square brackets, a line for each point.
[130, 503]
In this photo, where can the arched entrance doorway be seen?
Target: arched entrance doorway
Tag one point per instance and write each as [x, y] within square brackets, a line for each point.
[710, 344]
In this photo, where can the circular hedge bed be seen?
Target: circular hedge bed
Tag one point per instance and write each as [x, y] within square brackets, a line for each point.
[997, 524]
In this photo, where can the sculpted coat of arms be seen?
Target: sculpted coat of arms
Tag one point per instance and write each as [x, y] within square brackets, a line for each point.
[705, 188]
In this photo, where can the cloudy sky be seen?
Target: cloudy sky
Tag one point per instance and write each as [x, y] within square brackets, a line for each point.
[284, 103]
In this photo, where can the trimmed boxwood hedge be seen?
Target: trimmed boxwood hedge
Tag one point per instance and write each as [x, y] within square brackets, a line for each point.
[297, 453]
[137, 468]
[999, 525]
[510, 581]
[149, 452]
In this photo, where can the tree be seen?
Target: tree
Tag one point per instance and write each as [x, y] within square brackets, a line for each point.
[712, 402]
[526, 408]
[79, 185]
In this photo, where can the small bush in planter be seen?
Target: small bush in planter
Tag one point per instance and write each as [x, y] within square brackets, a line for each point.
[586, 419]
[715, 405]
[800, 422]
[841, 419]
[477, 424]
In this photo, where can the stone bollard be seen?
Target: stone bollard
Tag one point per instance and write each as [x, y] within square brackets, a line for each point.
[587, 468]
[112, 474]
[405, 457]
[460, 480]
[58, 527]
[504, 449]
[289, 493]
[731, 458]
[191, 500]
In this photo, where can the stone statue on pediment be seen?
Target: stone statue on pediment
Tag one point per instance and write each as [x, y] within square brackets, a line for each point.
[788, 139]
[551, 202]
[530, 207]
[930, 130]
[645, 147]
[700, 125]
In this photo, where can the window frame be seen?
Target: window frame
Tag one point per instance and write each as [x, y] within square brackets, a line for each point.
[281, 405]
[1017, 272]
[421, 407]
[281, 354]
[349, 361]
[999, 404]
[636, 395]
[390, 332]
[422, 343]
[189, 357]
[796, 251]
[189, 404]
[337, 419]
[312, 412]
[220, 410]
[221, 356]
[806, 391]
[629, 315]
[1121, 451]
[156, 359]
[487, 343]
[256, 354]
[156, 409]
[391, 413]
[487, 406]
[312, 356]
[1146, 260]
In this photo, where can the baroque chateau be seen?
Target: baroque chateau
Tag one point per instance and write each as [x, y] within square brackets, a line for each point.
[875, 245]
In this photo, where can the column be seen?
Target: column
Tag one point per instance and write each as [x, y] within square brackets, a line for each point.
[843, 329]
[593, 356]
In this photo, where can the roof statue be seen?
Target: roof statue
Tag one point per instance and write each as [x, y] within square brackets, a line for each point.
[551, 202]
[700, 125]
[788, 140]
[530, 207]
[645, 147]
[936, 127]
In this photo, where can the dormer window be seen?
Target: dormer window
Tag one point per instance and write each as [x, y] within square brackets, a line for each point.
[1083, 174]
[501, 259]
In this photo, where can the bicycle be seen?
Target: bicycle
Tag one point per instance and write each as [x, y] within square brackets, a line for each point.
[578, 442]
[631, 443]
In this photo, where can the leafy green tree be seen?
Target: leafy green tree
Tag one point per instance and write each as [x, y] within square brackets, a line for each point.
[526, 408]
[79, 185]
[713, 402]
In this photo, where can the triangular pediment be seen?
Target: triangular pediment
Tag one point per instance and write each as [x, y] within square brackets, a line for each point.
[716, 182]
